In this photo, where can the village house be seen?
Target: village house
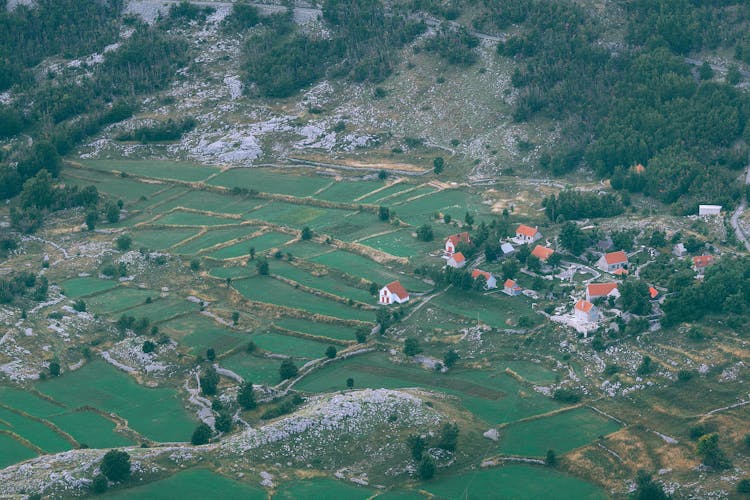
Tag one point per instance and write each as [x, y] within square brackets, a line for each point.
[612, 262]
[457, 260]
[586, 312]
[393, 293]
[653, 293]
[542, 253]
[709, 209]
[507, 248]
[679, 250]
[526, 234]
[702, 261]
[596, 290]
[489, 279]
[453, 240]
[511, 288]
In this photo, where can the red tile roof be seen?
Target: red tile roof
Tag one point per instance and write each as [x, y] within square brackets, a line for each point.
[458, 238]
[703, 261]
[509, 283]
[616, 257]
[620, 272]
[653, 292]
[397, 289]
[600, 289]
[527, 231]
[477, 273]
[543, 253]
[458, 257]
[584, 305]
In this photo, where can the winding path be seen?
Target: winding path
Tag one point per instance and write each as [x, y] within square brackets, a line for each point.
[740, 209]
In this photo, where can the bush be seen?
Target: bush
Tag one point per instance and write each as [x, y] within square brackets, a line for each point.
[743, 486]
[331, 352]
[54, 368]
[566, 395]
[123, 242]
[116, 465]
[209, 381]
[79, 305]
[246, 397]
[424, 233]
[99, 485]
[201, 435]
[224, 422]
[411, 346]
[448, 437]
[148, 347]
[426, 467]
[288, 369]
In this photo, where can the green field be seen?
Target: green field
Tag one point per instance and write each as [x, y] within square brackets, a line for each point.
[290, 345]
[149, 205]
[184, 218]
[493, 397]
[533, 372]
[255, 369]
[327, 283]
[401, 243]
[127, 190]
[306, 249]
[513, 481]
[261, 243]
[156, 413]
[231, 272]
[316, 328]
[394, 201]
[160, 239]
[91, 429]
[451, 201]
[156, 169]
[269, 181]
[268, 290]
[297, 216]
[221, 203]
[497, 310]
[119, 299]
[354, 226]
[12, 452]
[194, 483]
[80, 287]
[561, 432]
[200, 333]
[376, 198]
[322, 488]
[162, 309]
[362, 267]
[36, 432]
[211, 238]
[347, 191]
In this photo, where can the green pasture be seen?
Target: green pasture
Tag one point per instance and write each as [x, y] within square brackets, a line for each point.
[495, 309]
[401, 243]
[513, 481]
[380, 197]
[162, 309]
[329, 330]
[36, 432]
[454, 202]
[322, 488]
[561, 432]
[355, 225]
[495, 397]
[119, 188]
[201, 333]
[119, 299]
[327, 283]
[265, 241]
[232, 272]
[12, 452]
[220, 203]
[212, 238]
[362, 267]
[347, 191]
[155, 169]
[184, 218]
[306, 249]
[158, 413]
[269, 181]
[255, 369]
[160, 239]
[290, 345]
[193, 483]
[394, 201]
[533, 372]
[29, 402]
[297, 216]
[80, 287]
[155, 201]
[268, 290]
[91, 429]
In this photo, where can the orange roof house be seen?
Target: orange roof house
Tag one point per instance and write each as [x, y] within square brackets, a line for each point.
[510, 287]
[612, 261]
[489, 279]
[393, 292]
[453, 240]
[653, 292]
[542, 253]
[638, 169]
[702, 261]
[586, 311]
[527, 234]
[457, 260]
[596, 290]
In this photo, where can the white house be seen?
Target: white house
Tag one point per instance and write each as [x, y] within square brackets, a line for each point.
[586, 312]
[511, 288]
[457, 260]
[393, 293]
[526, 234]
[709, 209]
[490, 281]
[596, 290]
[453, 240]
[613, 261]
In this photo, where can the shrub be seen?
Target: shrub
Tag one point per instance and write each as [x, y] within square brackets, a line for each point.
[246, 396]
[288, 369]
[201, 435]
[124, 241]
[411, 346]
[426, 467]
[54, 368]
[224, 422]
[148, 347]
[115, 465]
[566, 395]
[99, 485]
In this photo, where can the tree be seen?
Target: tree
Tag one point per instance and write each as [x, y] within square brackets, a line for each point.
[209, 381]
[223, 422]
[148, 347]
[210, 354]
[713, 456]
[510, 268]
[417, 445]
[733, 75]
[79, 305]
[115, 465]
[99, 485]
[450, 358]
[533, 263]
[658, 239]
[288, 369]
[469, 219]
[706, 72]
[361, 335]
[246, 396]
[550, 459]
[262, 267]
[383, 318]
[92, 217]
[426, 467]
[411, 346]
[54, 368]
[235, 317]
[554, 259]
[330, 352]
[448, 437]
[384, 213]
[743, 486]
[112, 212]
[438, 165]
[382, 175]
[306, 233]
[123, 242]
[350, 382]
[635, 296]
[647, 489]
[645, 367]
[252, 253]
[424, 233]
[201, 434]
